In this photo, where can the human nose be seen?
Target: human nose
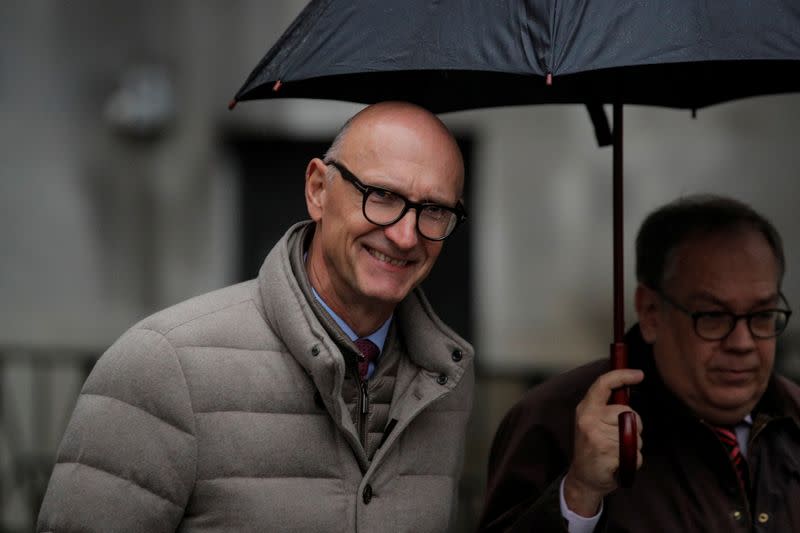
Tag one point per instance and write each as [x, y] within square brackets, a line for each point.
[740, 337]
[404, 232]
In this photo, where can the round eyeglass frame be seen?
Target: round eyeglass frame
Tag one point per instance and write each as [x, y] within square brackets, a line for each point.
[366, 190]
[734, 318]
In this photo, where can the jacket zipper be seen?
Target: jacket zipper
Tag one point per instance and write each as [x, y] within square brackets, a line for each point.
[364, 411]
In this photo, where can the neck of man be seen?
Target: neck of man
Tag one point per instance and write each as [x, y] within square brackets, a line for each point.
[363, 315]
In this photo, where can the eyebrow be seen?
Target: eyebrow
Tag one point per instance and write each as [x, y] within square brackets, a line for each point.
[425, 200]
[707, 297]
[388, 187]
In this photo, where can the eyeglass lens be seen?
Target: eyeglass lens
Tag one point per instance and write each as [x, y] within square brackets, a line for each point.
[384, 207]
[763, 324]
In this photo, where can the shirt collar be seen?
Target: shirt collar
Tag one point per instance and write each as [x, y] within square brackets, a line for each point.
[378, 336]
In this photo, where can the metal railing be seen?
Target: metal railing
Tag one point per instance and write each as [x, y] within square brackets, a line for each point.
[38, 390]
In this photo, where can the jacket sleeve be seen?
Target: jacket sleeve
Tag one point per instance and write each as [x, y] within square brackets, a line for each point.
[127, 461]
[526, 465]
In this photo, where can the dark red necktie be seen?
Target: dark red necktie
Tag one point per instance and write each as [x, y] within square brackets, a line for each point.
[369, 353]
[727, 436]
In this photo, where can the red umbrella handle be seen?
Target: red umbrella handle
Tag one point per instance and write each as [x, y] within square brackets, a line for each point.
[628, 445]
[627, 449]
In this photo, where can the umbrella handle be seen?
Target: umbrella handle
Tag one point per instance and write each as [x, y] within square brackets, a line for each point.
[627, 449]
[628, 445]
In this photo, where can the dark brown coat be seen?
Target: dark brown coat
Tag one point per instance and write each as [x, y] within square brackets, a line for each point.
[687, 482]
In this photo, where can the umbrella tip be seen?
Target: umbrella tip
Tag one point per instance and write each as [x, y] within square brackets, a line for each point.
[277, 86]
[232, 104]
[549, 78]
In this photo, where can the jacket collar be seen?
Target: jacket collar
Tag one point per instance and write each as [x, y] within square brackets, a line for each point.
[316, 342]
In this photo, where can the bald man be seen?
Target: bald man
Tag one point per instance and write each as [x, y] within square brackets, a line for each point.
[325, 395]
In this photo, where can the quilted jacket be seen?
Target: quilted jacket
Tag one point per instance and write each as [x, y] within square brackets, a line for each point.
[226, 413]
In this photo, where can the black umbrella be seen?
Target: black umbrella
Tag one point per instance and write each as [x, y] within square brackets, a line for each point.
[450, 55]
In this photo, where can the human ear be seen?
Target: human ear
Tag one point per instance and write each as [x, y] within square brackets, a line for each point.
[648, 307]
[316, 187]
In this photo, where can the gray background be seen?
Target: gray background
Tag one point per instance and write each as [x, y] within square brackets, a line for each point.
[115, 203]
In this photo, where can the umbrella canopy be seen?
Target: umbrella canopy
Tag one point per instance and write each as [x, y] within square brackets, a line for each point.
[451, 55]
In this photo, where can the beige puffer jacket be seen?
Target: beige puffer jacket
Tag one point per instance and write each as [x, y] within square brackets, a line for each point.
[203, 418]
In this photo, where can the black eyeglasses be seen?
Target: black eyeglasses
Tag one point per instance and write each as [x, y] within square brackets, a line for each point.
[383, 207]
[716, 325]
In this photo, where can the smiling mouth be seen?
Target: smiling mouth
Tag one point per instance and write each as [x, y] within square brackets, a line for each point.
[386, 259]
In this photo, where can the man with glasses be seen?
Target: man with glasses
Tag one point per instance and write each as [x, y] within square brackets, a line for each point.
[719, 442]
[325, 395]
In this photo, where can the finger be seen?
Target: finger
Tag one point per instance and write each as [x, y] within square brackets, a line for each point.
[608, 414]
[601, 429]
[600, 391]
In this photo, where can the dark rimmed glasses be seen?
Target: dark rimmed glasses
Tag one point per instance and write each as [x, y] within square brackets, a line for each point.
[383, 207]
[716, 325]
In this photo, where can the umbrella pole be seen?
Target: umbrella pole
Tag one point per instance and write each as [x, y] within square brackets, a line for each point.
[619, 356]
[628, 448]
[619, 291]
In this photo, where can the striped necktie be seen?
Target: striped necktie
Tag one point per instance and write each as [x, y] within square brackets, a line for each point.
[727, 436]
[369, 353]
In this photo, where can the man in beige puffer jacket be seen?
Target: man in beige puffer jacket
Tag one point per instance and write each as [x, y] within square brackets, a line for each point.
[251, 408]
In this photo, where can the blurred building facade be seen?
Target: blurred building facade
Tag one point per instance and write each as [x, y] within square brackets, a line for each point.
[123, 191]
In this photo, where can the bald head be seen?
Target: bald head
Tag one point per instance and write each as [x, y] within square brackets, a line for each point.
[362, 268]
[379, 122]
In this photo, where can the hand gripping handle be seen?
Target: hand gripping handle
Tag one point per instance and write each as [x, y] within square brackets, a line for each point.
[628, 447]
